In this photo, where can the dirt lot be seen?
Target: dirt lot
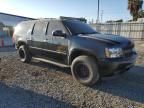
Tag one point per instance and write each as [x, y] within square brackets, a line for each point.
[41, 85]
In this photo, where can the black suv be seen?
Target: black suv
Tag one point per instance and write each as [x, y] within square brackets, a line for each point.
[71, 43]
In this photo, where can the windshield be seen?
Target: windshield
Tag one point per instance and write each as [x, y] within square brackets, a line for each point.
[77, 27]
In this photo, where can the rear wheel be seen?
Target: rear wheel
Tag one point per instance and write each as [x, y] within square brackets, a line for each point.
[85, 70]
[24, 54]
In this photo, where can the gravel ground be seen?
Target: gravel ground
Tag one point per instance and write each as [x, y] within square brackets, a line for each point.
[41, 85]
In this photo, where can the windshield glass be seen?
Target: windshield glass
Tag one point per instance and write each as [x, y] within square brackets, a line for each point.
[77, 27]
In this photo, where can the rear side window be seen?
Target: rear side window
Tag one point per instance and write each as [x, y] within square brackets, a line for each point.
[24, 27]
[40, 28]
[55, 25]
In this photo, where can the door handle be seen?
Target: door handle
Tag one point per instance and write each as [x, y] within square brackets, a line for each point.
[45, 40]
[28, 39]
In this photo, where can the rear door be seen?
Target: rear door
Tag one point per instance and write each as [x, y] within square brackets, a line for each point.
[38, 39]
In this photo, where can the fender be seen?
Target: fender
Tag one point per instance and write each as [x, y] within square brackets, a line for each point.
[78, 52]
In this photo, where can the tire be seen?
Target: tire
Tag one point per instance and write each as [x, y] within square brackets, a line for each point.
[88, 64]
[24, 54]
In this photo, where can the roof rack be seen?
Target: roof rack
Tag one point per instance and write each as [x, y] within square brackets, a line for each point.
[67, 18]
[73, 18]
[46, 18]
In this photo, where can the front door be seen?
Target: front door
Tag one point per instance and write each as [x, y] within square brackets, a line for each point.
[58, 45]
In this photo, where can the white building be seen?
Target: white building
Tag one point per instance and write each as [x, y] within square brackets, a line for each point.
[5, 32]
[141, 20]
[12, 20]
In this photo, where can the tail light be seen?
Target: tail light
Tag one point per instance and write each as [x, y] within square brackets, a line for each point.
[13, 39]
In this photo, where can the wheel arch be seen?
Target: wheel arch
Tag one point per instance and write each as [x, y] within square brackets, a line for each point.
[78, 52]
[21, 43]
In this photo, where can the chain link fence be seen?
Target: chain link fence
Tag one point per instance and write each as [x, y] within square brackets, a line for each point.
[133, 31]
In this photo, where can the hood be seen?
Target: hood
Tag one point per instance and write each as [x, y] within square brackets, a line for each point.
[111, 39]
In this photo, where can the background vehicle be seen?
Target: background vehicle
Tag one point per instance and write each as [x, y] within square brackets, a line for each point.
[68, 42]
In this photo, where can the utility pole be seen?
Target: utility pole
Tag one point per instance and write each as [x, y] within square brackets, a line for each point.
[102, 12]
[98, 11]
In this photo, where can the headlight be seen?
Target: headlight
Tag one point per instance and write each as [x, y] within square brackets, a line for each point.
[114, 52]
[134, 50]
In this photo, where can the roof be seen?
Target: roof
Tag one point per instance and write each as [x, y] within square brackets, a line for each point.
[63, 18]
[17, 16]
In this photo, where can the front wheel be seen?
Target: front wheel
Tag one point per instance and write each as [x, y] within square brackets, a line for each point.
[24, 54]
[85, 70]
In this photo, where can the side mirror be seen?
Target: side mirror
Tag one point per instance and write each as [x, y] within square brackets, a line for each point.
[59, 33]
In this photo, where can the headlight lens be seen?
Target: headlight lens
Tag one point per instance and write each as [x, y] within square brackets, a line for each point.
[114, 52]
[134, 50]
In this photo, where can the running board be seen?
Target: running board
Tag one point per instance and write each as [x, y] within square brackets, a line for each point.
[51, 62]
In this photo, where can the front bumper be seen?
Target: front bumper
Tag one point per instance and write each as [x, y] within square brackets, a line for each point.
[110, 66]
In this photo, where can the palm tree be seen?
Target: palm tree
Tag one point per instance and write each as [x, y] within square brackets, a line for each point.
[135, 7]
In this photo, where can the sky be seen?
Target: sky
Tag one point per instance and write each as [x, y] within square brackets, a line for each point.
[112, 9]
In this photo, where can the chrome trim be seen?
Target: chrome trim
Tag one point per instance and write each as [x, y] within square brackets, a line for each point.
[48, 50]
[51, 62]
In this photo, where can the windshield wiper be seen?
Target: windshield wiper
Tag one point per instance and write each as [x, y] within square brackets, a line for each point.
[82, 33]
[93, 33]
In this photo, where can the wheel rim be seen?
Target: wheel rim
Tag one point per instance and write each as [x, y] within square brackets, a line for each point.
[82, 71]
[21, 54]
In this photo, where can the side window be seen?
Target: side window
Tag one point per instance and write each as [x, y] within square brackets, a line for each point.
[24, 27]
[40, 28]
[55, 25]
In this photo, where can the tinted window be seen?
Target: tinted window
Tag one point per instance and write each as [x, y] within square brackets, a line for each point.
[77, 27]
[55, 25]
[40, 28]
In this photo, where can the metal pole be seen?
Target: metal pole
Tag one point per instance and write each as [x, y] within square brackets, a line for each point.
[98, 11]
[102, 15]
